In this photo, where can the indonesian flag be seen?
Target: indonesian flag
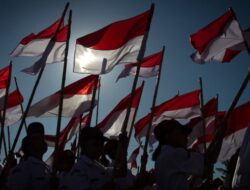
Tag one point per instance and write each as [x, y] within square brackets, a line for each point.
[13, 108]
[237, 125]
[216, 41]
[35, 44]
[119, 42]
[209, 114]
[4, 75]
[186, 106]
[133, 156]
[149, 67]
[111, 126]
[69, 131]
[77, 100]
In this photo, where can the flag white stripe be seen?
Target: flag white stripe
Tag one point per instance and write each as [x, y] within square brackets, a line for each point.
[88, 60]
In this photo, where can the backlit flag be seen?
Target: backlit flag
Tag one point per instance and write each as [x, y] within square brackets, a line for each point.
[149, 67]
[68, 132]
[186, 106]
[133, 156]
[111, 126]
[35, 44]
[237, 125]
[209, 115]
[216, 41]
[13, 107]
[119, 42]
[77, 100]
[4, 75]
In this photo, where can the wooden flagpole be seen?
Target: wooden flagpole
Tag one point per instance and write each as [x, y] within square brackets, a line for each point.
[2, 138]
[202, 113]
[98, 103]
[144, 157]
[133, 121]
[43, 58]
[90, 112]
[60, 109]
[8, 131]
[125, 123]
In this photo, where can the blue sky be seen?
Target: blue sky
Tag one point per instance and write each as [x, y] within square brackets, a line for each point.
[172, 23]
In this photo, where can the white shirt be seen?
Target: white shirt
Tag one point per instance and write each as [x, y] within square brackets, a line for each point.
[241, 179]
[86, 174]
[173, 166]
[30, 174]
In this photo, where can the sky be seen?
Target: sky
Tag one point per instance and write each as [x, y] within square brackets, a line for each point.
[172, 23]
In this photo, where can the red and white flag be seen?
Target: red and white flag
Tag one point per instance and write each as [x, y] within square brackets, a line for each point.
[77, 100]
[209, 114]
[132, 158]
[149, 67]
[35, 44]
[13, 107]
[218, 40]
[112, 124]
[237, 125]
[186, 106]
[4, 76]
[119, 42]
[68, 132]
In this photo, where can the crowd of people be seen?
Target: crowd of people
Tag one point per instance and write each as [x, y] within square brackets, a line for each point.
[100, 167]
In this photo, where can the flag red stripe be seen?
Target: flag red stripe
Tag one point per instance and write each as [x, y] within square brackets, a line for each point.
[47, 33]
[204, 36]
[128, 29]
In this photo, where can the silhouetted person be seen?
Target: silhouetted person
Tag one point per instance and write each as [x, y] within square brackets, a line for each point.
[31, 173]
[173, 162]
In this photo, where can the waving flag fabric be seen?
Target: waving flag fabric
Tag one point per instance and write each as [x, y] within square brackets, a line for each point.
[35, 44]
[237, 125]
[77, 100]
[119, 42]
[216, 40]
[68, 132]
[184, 106]
[112, 124]
[149, 67]
[13, 109]
[4, 75]
[132, 158]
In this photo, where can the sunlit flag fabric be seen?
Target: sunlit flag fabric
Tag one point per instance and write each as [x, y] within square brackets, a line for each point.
[13, 107]
[233, 137]
[77, 100]
[4, 75]
[112, 124]
[69, 131]
[132, 158]
[149, 67]
[119, 42]
[216, 40]
[186, 106]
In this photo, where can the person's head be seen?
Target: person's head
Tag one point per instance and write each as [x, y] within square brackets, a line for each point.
[34, 145]
[92, 142]
[66, 160]
[35, 128]
[172, 132]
